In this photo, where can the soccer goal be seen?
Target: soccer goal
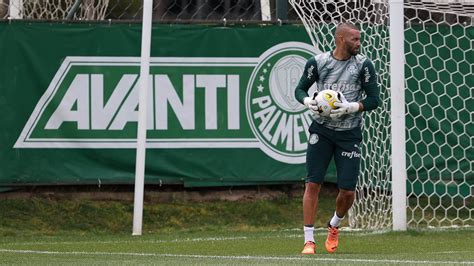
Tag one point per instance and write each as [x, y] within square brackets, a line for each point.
[438, 105]
[58, 9]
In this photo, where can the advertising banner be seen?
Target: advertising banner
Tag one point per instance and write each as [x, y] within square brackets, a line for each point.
[221, 106]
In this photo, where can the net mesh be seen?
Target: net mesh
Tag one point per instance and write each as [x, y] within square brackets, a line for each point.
[59, 9]
[439, 86]
[439, 65]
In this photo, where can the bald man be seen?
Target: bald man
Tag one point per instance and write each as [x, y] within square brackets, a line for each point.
[353, 76]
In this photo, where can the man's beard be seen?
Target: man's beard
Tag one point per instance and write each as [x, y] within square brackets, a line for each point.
[354, 51]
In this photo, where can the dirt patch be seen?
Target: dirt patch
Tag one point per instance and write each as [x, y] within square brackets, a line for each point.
[169, 193]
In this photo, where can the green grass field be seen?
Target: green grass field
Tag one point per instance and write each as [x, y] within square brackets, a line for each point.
[46, 230]
[281, 247]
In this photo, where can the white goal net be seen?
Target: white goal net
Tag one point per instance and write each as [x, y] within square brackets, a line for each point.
[438, 106]
[58, 9]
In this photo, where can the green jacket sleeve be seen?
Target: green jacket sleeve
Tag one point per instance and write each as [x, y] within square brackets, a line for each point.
[310, 75]
[370, 86]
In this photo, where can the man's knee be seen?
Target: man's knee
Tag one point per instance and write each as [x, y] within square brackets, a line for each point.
[347, 195]
[313, 188]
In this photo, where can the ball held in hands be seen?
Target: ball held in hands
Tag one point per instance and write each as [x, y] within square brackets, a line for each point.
[326, 100]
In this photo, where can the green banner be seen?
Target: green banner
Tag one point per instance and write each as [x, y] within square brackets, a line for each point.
[221, 109]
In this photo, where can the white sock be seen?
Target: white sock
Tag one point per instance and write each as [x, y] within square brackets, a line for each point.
[335, 220]
[308, 233]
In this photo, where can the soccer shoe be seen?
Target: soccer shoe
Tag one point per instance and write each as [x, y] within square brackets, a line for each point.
[333, 239]
[309, 248]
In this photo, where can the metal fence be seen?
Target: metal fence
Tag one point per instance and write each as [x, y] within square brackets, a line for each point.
[195, 11]
[163, 10]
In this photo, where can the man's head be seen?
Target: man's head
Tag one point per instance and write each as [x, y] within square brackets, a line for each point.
[348, 38]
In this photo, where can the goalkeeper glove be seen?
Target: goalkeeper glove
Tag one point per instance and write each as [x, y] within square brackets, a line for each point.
[312, 105]
[344, 107]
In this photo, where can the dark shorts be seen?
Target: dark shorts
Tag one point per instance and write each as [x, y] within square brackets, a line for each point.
[323, 144]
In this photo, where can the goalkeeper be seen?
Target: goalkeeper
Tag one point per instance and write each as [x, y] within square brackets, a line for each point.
[351, 75]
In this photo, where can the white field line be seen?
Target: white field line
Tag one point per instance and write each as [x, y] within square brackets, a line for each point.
[318, 232]
[128, 241]
[269, 258]
[450, 252]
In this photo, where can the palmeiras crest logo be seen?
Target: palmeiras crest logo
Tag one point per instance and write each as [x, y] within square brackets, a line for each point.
[277, 119]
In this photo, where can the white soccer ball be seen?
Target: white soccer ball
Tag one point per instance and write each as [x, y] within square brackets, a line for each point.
[326, 100]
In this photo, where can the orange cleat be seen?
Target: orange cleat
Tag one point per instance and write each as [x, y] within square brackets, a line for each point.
[333, 239]
[309, 248]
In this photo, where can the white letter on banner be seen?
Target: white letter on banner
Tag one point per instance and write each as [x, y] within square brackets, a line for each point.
[266, 113]
[284, 131]
[166, 93]
[102, 113]
[77, 94]
[210, 83]
[266, 131]
[233, 102]
[128, 112]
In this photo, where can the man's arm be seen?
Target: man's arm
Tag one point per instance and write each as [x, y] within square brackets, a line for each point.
[370, 86]
[310, 75]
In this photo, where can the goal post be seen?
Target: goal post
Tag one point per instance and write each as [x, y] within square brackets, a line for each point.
[265, 10]
[422, 52]
[397, 101]
[15, 9]
[142, 118]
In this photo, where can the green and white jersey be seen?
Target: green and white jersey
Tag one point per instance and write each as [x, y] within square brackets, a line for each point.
[355, 78]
